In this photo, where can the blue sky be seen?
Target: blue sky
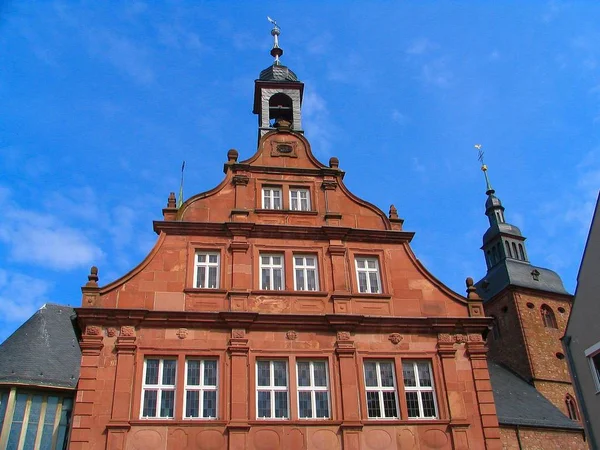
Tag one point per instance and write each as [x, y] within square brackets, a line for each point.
[101, 101]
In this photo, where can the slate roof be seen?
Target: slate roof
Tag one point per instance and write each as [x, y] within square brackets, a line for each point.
[44, 351]
[519, 403]
[277, 73]
[518, 273]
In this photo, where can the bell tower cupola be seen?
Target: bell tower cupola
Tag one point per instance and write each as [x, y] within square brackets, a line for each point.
[278, 93]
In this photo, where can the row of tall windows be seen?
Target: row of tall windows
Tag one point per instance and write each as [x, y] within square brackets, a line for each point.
[273, 389]
[511, 250]
[272, 273]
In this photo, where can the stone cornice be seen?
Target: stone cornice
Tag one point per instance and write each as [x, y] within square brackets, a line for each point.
[252, 320]
[254, 230]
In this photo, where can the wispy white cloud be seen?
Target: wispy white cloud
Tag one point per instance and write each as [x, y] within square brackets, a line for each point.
[21, 295]
[421, 46]
[398, 117]
[316, 122]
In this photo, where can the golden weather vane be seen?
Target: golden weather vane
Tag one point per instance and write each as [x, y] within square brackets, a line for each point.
[480, 154]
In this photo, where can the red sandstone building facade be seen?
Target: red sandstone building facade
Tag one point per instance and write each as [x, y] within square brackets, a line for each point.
[278, 310]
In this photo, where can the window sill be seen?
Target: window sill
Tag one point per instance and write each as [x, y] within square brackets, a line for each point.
[318, 422]
[291, 293]
[178, 422]
[285, 211]
[372, 296]
[204, 291]
[373, 421]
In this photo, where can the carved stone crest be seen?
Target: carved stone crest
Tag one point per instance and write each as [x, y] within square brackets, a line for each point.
[238, 333]
[445, 337]
[395, 338]
[343, 335]
[475, 338]
[93, 330]
[182, 333]
[291, 335]
[127, 331]
[460, 338]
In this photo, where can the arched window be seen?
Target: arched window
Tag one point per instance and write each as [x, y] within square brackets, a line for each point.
[521, 252]
[508, 253]
[488, 259]
[514, 247]
[280, 107]
[571, 407]
[548, 317]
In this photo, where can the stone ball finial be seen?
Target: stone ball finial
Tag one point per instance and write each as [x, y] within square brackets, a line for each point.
[471, 289]
[334, 162]
[93, 277]
[171, 202]
[393, 214]
[232, 156]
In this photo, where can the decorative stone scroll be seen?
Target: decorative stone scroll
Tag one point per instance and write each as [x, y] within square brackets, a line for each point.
[447, 338]
[343, 335]
[240, 180]
[238, 333]
[93, 330]
[111, 332]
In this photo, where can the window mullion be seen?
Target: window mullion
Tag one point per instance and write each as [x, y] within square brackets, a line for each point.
[40, 428]
[25, 422]
[56, 424]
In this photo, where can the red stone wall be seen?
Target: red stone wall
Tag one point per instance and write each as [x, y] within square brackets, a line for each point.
[510, 348]
[541, 439]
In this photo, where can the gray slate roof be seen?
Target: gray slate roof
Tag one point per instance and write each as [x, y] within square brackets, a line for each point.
[518, 273]
[44, 351]
[519, 403]
[277, 73]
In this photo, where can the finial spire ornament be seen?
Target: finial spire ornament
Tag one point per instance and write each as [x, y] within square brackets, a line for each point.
[276, 52]
[489, 189]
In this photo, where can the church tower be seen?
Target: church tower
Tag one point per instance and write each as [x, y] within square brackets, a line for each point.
[530, 308]
[278, 94]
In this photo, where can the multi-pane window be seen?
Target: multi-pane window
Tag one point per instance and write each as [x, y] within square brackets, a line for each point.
[35, 420]
[418, 386]
[313, 392]
[380, 385]
[272, 389]
[299, 200]
[271, 272]
[158, 389]
[305, 273]
[207, 270]
[201, 388]
[271, 198]
[367, 274]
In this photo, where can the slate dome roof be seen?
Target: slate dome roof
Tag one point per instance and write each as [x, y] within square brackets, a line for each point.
[278, 73]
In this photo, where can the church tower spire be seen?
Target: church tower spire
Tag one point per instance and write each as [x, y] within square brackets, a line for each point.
[278, 93]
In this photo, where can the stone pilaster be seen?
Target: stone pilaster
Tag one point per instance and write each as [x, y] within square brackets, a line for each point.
[239, 385]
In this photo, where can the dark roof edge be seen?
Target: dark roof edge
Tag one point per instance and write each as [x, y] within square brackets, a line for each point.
[534, 424]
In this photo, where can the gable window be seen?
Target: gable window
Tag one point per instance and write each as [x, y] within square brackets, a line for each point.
[571, 407]
[313, 390]
[548, 317]
[367, 275]
[201, 388]
[305, 273]
[418, 386]
[206, 275]
[380, 386]
[271, 272]
[271, 390]
[158, 388]
[271, 198]
[34, 420]
[299, 199]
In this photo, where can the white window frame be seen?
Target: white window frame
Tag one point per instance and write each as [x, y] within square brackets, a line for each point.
[313, 389]
[268, 197]
[271, 267]
[305, 269]
[420, 389]
[207, 266]
[368, 271]
[159, 388]
[302, 204]
[381, 389]
[272, 388]
[590, 353]
[201, 388]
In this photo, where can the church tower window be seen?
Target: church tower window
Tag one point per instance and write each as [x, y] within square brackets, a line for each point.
[548, 317]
